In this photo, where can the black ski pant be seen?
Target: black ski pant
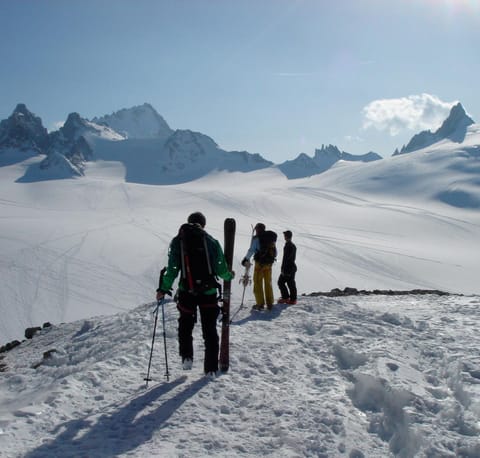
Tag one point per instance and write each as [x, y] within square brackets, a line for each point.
[207, 304]
[288, 286]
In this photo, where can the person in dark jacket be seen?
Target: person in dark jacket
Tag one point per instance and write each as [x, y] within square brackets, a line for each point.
[286, 280]
[188, 299]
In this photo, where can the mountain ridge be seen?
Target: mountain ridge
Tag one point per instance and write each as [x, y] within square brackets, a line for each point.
[140, 138]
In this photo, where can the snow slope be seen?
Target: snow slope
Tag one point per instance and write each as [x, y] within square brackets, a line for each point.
[76, 248]
[374, 376]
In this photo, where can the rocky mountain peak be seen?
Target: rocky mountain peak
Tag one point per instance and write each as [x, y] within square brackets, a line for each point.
[453, 128]
[141, 121]
[23, 130]
[457, 120]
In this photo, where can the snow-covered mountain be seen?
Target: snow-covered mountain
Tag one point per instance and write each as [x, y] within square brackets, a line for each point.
[150, 152]
[323, 159]
[23, 131]
[137, 122]
[189, 155]
[453, 128]
[138, 139]
[75, 140]
[445, 171]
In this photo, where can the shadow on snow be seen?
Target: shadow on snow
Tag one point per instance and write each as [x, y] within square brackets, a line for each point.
[121, 431]
[264, 315]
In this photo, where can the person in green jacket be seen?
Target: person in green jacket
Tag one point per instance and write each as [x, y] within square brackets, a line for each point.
[200, 260]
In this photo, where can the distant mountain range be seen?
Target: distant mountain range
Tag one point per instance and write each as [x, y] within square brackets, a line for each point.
[152, 153]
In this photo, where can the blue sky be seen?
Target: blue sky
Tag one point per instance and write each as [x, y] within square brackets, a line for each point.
[275, 77]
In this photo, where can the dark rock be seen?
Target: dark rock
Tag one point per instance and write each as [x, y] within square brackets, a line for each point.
[337, 292]
[9, 346]
[30, 332]
[49, 353]
[23, 130]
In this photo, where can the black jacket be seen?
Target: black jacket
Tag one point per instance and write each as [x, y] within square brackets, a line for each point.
[288, 262]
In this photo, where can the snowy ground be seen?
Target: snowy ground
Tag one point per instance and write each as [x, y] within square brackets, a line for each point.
[354, 376]
[72, 249]
[370, 376]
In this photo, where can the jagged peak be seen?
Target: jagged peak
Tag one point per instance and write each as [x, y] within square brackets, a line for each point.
[328, 152]
[72, 124]
[328, 149]
[21, 108]
[457, 118]
[458, 110]
[454, 128]
[74, 118]
[187, 136]
[23, 130]
[134, 109]
[139, 121]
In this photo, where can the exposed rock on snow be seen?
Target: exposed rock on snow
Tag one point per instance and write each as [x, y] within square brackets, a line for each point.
[453, 128]
[348, 291]
[323, 159]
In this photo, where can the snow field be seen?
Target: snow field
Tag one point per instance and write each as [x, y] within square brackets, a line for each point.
[351, 376]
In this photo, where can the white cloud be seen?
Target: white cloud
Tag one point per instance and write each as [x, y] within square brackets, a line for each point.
[415, 112]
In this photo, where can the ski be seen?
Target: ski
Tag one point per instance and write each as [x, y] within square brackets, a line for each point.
[229, 241]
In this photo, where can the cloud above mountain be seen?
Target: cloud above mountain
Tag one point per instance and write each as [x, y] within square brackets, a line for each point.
[414, 112]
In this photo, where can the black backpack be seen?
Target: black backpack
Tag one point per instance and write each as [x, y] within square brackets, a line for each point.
[197, 271]
[268, 251]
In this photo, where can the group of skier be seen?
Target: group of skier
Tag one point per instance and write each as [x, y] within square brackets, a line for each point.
[264, 252]
[200, 260]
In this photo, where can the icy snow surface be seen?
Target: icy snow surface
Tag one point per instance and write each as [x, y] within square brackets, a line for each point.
[369, 376]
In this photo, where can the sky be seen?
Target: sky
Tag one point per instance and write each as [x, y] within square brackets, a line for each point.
[275, 77]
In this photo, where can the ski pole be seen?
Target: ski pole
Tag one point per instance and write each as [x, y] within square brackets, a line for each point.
[147, 378]
[167, 374]
[159, 303]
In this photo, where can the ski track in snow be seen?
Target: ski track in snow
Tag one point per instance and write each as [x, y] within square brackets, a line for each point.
[354, 376]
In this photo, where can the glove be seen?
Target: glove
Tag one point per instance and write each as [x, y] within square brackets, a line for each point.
[233, 274]
[245, 262]
[160, 295]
